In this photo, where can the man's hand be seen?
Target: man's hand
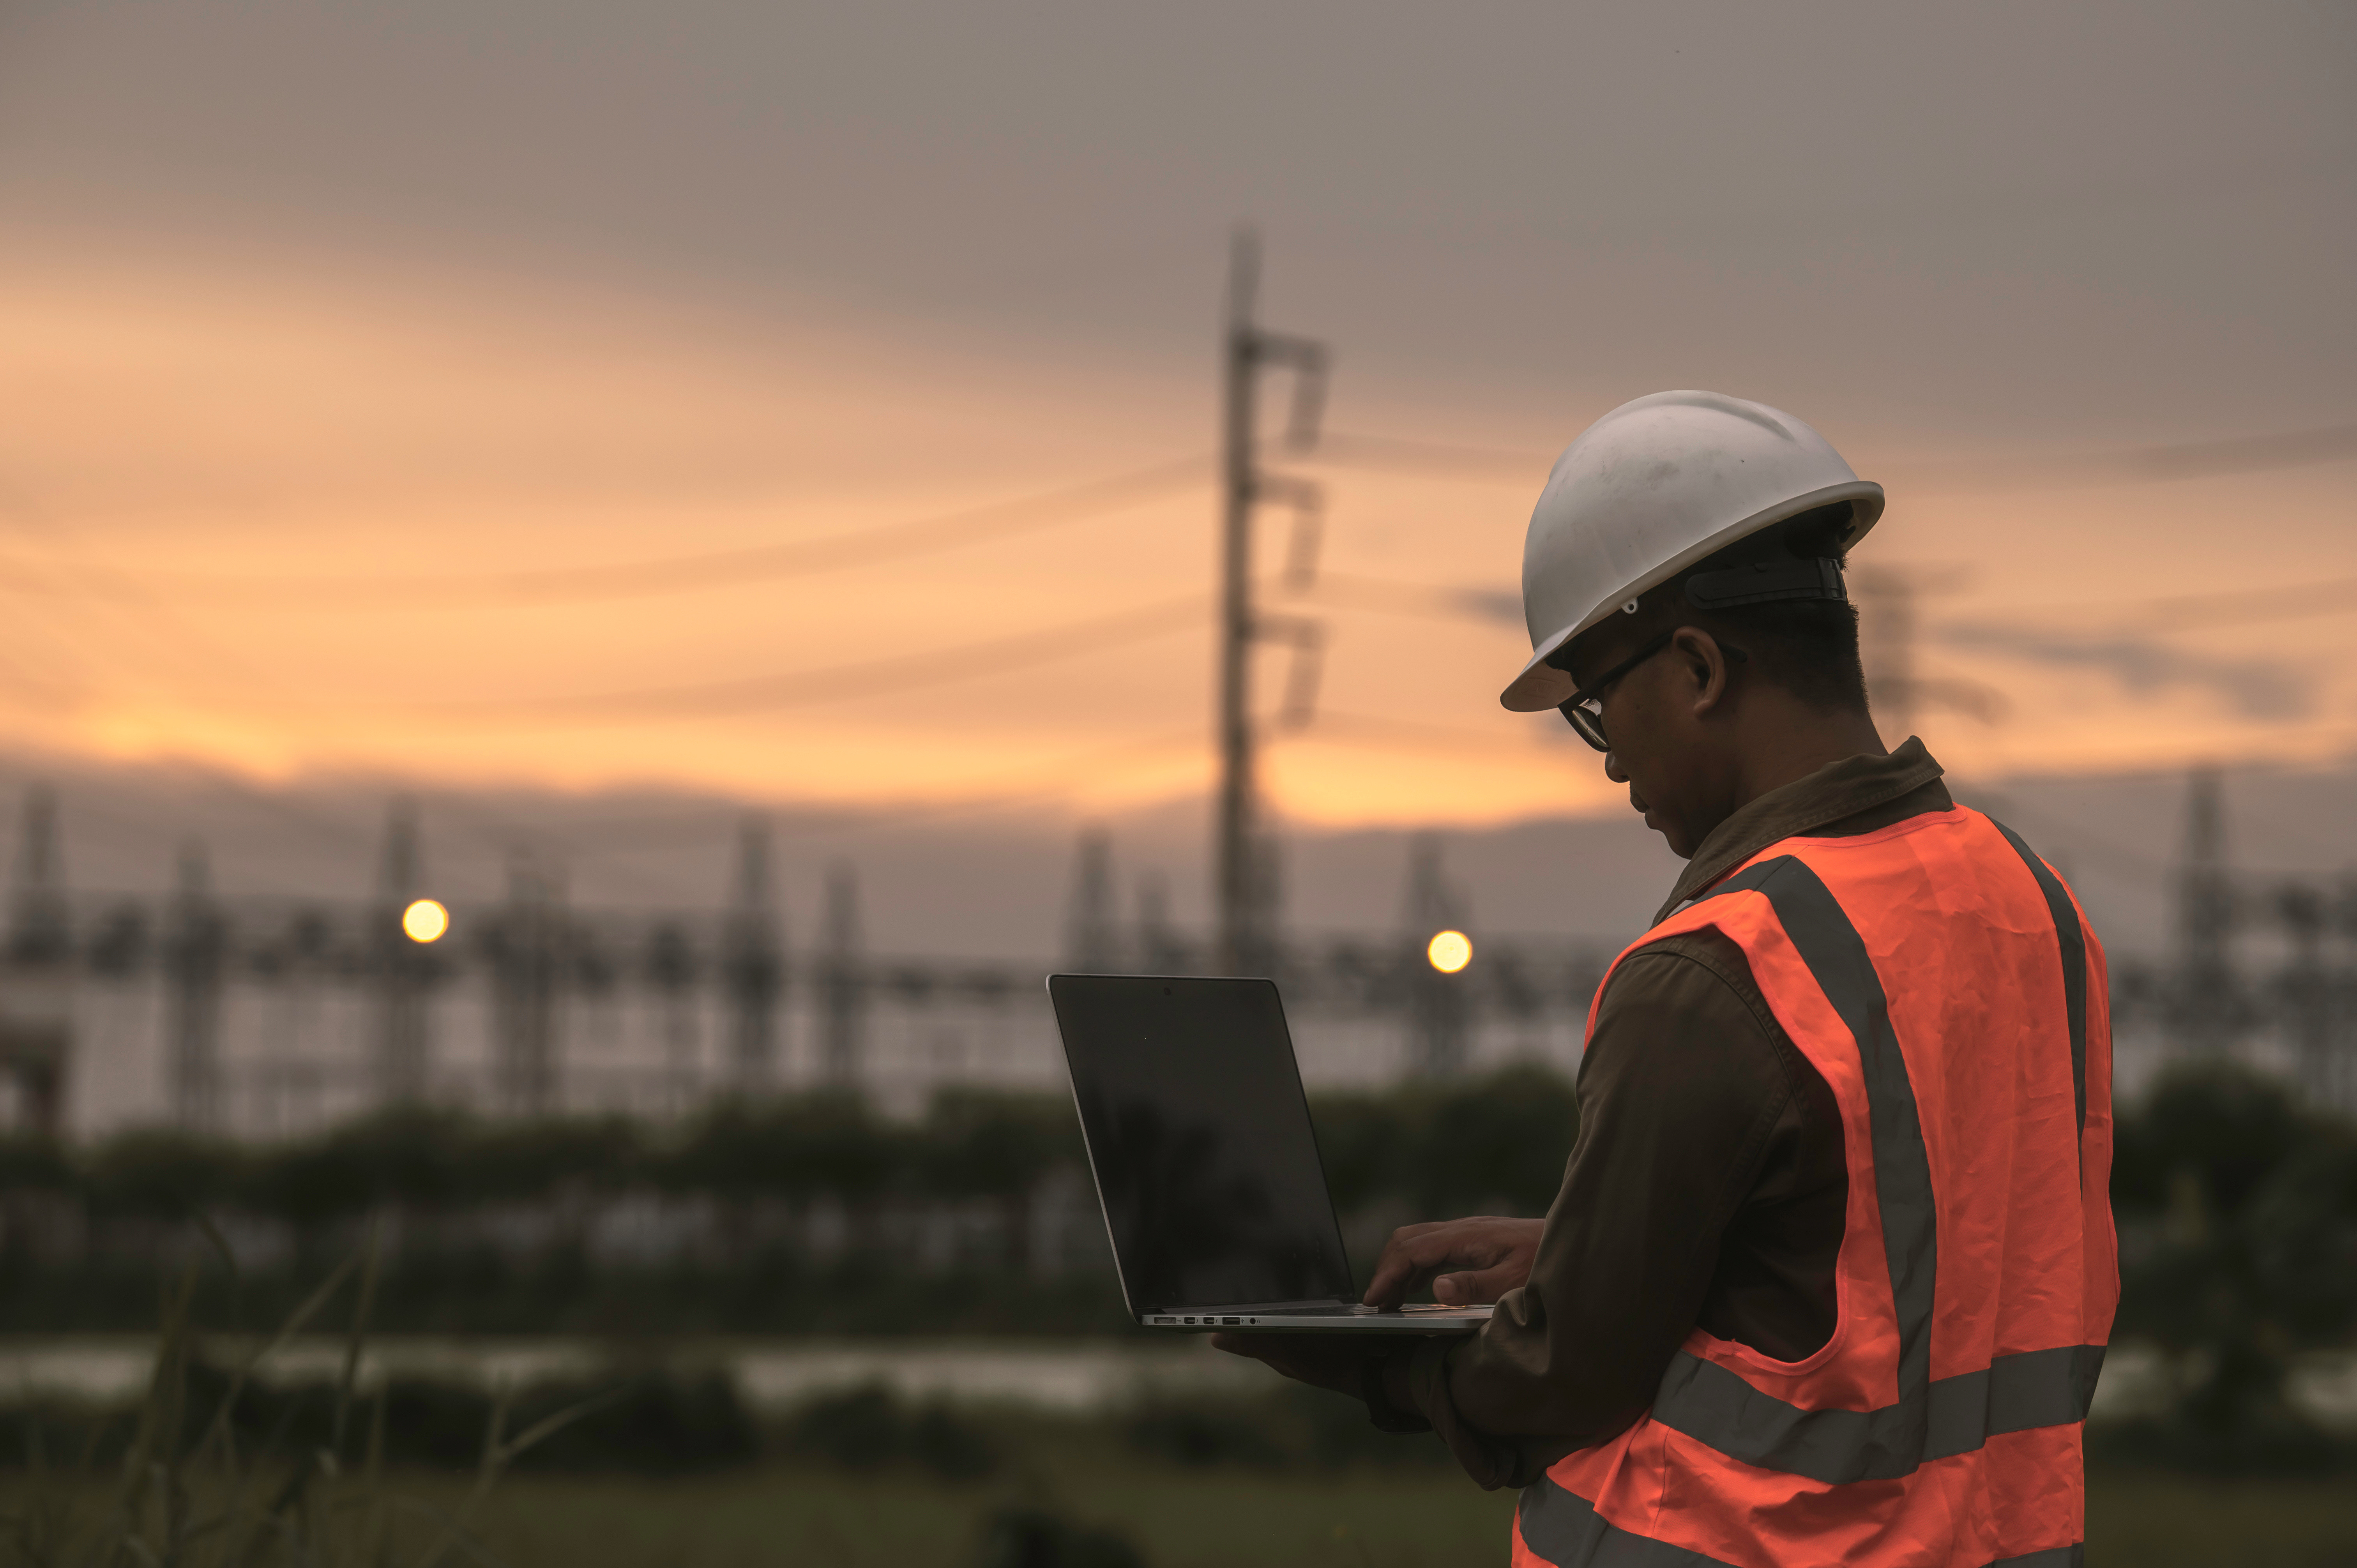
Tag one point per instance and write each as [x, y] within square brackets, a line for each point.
[1467, 1261]
[1336, 1361]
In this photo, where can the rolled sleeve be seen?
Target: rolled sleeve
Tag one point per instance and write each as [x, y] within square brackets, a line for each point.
[1681, 1091]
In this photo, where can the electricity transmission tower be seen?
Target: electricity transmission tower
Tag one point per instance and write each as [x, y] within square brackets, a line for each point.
[2208, 1010]
[1889, 633]
[753, 962]
[1438, 1010]
[403, 968]
[1243, 877]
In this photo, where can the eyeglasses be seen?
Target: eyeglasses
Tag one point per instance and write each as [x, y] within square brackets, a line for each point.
[1585, 708]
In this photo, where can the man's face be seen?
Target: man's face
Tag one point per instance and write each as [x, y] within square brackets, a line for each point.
[1660, 749]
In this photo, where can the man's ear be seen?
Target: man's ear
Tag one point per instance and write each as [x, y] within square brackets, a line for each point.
[1704, 664]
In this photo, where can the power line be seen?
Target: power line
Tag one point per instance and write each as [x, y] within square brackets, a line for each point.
[2134, 464]
[1502, 607]
[135, 610]
[900, 540]
[679, 574]
[867, 678]
[1390, 596]
[1030, 787]
[1420, 738]
[2176, 461]
[2333, 596]
[802, 688]
[2177, 612]
[1400, 454]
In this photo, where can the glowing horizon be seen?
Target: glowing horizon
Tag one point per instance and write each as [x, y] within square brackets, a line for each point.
[171, 427]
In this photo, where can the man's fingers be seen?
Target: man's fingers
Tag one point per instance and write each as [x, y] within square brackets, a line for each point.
[1416, 1252]
[1391, 1281]
[1397, 1274]
[1472, 1287]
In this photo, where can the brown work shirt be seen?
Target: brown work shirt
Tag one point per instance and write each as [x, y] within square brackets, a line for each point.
[1708, 1185]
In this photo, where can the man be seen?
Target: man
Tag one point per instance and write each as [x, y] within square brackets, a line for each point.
[1832, 1268]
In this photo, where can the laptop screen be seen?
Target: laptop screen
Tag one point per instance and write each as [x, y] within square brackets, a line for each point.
[1191, 1102]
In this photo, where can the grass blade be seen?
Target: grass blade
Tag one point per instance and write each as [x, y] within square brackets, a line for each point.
[354, 1340]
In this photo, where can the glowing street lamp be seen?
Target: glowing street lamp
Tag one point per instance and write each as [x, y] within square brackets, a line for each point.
[424, 921]
[1449, 951]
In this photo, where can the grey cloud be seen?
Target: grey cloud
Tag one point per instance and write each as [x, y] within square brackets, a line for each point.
[2253, 688]
[2133, 231]
[1503, 605]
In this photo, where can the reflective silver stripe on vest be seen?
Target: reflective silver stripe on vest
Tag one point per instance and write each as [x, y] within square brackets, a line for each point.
[1565, 1529]
[1930, 1420]
[1951, 1415]
[2073, 943]
[2071, 1556]
[1560, 1527]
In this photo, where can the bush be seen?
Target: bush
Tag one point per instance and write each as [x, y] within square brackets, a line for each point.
[1035, 1538]
[829, 1141]
[660, 1423]
[2238, 1222]
[1496, 1144]
[1200, 1435]
[1290, 1427]
[869, 1428]
[162, 1176]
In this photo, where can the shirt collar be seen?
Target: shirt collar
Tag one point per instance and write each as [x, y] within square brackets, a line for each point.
[1832, 792]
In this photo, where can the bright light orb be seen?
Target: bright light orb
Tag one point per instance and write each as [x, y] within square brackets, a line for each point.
[1449, 951]
[424, 921]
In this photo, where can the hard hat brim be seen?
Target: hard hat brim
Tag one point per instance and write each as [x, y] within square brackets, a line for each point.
[1541, 685]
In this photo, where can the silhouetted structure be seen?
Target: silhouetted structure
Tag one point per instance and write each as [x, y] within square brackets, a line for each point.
[2306, 990]
[1887, 636]
[527, 955]
[1160, 948]
[195, 949]
[842, 981]
[755, 968]
[402, 969]
[272, 1017]
[35, 982]
[1437, 1003]
[1243, 879]
[1092, 932]
[672, 975]
[2207, 1009]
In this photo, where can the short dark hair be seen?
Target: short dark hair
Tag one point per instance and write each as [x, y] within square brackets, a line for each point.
[1809, 647]
[1804, 640]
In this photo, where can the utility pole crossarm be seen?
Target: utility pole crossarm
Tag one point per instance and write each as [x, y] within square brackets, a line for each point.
[1242, 880]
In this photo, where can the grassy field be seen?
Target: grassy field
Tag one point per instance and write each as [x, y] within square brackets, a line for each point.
[1174, 1521]
[2166, 1520]
[1290, 1478]
[1225, 1517]
[1180, 1519]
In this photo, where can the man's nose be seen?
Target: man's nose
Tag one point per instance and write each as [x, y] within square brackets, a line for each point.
[1612, 768]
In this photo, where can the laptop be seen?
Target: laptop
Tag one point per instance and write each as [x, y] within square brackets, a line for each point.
[1200, 1140]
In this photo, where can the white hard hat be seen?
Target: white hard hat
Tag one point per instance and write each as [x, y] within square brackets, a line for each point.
[1654, 487]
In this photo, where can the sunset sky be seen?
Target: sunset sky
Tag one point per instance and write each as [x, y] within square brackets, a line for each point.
[476, 392]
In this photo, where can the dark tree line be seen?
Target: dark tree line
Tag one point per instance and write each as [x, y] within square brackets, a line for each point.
[798, 1212]
[2237, 1210]
[1499, 1140]
[2237, 1207]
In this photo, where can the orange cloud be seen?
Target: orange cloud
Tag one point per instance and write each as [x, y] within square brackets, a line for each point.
[174, 433]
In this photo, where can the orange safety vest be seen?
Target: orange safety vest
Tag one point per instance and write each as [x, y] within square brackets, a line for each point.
[1941, 978]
